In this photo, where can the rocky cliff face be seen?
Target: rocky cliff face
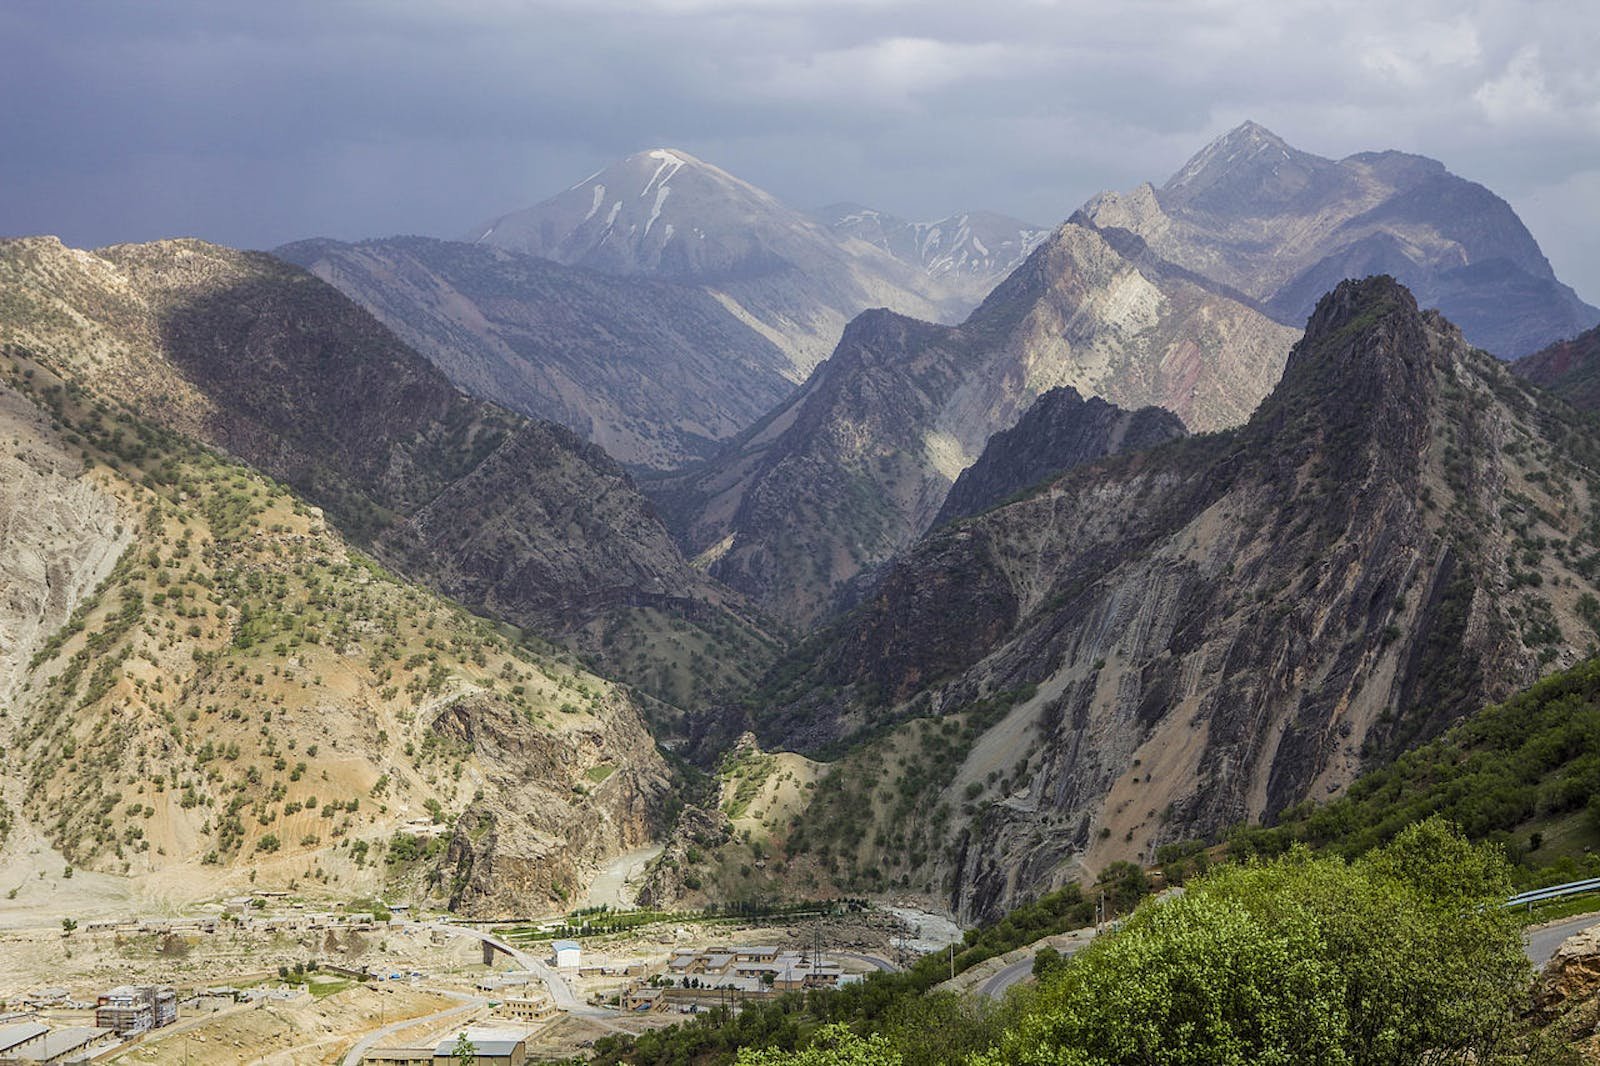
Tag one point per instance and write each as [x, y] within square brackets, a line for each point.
[1284, 226]
[1570, 369]
[857, 464]
[1159, 645]
[655, 372]
[1060, 431]
[665, 214]
[259, 358]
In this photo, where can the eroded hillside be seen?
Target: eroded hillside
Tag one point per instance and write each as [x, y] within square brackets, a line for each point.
[1157, 646]
[244, 692]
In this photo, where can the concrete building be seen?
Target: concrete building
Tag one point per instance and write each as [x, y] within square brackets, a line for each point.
[136, 1008]
[642, 1000]
[567, 953]
[15, 1039]
[490, 1047]
[75, 1043]
[527, 1009]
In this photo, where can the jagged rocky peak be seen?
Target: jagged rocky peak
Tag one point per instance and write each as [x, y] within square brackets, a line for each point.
[1251, 171]
[1284, 226]
[1060, 431]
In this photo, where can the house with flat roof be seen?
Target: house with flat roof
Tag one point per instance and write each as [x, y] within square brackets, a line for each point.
[490, 1047]
[525, 1008]
[72, 1044]
[642, 999]
[15, 1039]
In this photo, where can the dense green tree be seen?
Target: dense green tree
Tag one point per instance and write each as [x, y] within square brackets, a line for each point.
[833, 1045]
[1398, 958]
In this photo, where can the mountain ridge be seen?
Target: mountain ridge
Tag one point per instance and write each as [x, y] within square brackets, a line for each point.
[1158, 645]
[1284, 226]
[866, 451]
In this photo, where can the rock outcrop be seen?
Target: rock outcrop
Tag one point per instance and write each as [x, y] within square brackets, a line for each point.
[1060, 431]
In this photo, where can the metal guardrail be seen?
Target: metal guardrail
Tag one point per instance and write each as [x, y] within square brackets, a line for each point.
[1539, 895]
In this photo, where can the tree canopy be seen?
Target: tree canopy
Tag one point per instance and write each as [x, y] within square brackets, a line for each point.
[1400, 957]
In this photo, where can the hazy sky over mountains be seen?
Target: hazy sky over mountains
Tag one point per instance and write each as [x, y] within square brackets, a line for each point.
[255, 124]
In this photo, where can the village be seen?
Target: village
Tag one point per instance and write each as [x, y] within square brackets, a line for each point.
[272, 979]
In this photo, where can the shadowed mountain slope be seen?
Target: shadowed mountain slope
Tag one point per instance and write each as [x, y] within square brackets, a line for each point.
[259, 358]
[656, 373]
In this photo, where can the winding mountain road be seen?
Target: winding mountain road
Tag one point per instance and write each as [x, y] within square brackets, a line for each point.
[1541, 944]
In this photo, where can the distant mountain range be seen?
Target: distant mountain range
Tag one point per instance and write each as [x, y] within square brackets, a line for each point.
[1068, 543]
[660, 306]
[1284, 226]
[973, 251]
[663, 213]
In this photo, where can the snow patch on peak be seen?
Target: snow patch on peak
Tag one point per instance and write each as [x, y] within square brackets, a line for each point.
[670, 164]
[599, 198]
[655, 209]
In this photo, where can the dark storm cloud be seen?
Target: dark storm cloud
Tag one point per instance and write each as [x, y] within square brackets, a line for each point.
[254, 124]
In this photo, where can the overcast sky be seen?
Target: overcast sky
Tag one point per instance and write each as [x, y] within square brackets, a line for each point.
[257, 123]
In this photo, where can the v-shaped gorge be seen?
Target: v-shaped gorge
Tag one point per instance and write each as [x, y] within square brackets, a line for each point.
[858, 463]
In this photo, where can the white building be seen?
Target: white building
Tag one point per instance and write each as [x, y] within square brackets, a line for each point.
[567, 953]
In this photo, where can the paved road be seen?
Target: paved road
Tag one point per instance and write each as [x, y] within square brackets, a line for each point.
[353, 1056]
[871, 960]
[1540, 944]
[996, 986]
[560, 992]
